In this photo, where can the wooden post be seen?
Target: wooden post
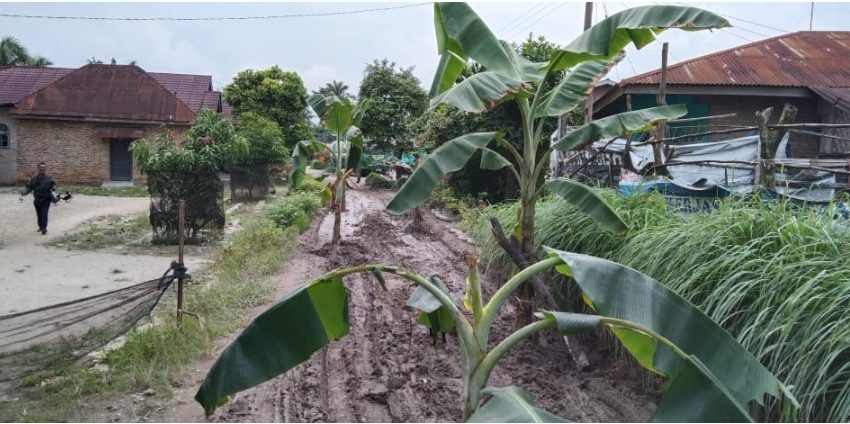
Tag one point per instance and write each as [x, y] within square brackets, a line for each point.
[181, 218]
[588, 22]
[769, 143]
[661, 129]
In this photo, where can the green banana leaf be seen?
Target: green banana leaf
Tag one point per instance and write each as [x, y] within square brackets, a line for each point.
[432, 313]
[449, 157]
[618, 125]
[694, 393]
[616, 291]
[638, 25]
[573, 89]
[511, 405]
[282, 337]
[319, 103]
[462, 33]
[300, 159]
[492, 160]
[590, 203]
[481, 92]
[361, 109]
[339, 115]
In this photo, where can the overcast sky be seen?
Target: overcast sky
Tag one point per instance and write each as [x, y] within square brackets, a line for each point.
[321, 49]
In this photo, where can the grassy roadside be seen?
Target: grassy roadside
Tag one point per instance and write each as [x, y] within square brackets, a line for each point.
[128, 191]
[137, 377]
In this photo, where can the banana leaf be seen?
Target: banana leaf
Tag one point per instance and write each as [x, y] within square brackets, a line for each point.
[573, 88]
[492, 160]
[639, 25]
[481, 92]
[280, 338]
[618, 125]
[449, 157]
[616, 291]
[589, 202]
[511, 405]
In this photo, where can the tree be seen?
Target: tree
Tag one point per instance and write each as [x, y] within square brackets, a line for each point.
[275, 94]
[395, 99]
[509, 77]
[341, 117]
[265, 148]
[710, 376]
[336, 88]
[13, 53]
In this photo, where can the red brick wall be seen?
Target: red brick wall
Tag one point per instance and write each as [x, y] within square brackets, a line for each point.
[70, 149]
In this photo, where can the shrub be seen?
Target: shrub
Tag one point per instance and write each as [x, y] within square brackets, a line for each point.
[376, 180]
[294, 210]
[317, 164]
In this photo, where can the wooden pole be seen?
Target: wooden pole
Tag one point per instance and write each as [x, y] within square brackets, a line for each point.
[588, 22]
[181, 218]
[769, 143]
[661, 129]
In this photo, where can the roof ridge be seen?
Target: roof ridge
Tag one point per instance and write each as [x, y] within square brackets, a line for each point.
[726, 51]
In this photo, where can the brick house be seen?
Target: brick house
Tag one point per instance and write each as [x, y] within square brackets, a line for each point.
[808, 69]
[82, 121]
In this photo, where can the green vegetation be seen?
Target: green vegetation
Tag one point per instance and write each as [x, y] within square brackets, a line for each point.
[275, 94]
[341, 117]
[127, 191]
[377, 180]
[109, 231]
[771, 273]
[711, 377]
[154, 359]
[464, 41]
[13, 53]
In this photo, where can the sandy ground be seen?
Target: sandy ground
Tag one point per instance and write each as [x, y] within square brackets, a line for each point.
[34, 275]
[387, 369]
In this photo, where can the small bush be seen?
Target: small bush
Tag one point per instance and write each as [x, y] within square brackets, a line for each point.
[317, 164]
[376, 180]
[296, 209]
[310, 184]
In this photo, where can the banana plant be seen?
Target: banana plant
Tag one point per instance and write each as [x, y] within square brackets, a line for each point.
[341, 117]
[709, 376]
[463, 39]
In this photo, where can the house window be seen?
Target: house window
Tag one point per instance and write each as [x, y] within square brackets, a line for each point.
[4, 136]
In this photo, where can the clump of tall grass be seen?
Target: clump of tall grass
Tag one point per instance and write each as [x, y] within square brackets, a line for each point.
[775, 275]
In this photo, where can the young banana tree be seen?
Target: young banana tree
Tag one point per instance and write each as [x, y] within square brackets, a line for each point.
[341, 117]
[462, 37]
[709, 376]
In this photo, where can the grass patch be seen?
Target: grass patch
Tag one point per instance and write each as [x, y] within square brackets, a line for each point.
[127, 191]
[774, 274]
[153, 359]
[108, 231]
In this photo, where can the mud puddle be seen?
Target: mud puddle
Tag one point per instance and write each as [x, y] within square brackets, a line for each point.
[388, 369]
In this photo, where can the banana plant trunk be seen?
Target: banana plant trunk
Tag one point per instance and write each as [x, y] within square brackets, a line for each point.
[339, 205]
[525, 294]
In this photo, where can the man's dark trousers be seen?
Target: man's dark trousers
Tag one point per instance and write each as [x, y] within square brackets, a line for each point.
[41, 208]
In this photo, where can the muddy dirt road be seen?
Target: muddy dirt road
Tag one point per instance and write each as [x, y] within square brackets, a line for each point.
[388, 369]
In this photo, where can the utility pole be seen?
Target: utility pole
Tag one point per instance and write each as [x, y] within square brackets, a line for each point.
[588, 22]
[661, 129]
[811, 15]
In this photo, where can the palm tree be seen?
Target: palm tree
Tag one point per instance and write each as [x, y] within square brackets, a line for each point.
[336, 88]
[13, 53]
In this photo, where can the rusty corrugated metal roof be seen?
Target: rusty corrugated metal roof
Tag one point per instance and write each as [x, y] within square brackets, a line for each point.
[17, 82]
[800, 59]
[837, 96]
[114, 92]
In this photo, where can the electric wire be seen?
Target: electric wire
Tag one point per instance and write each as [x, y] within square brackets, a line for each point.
[220, 18]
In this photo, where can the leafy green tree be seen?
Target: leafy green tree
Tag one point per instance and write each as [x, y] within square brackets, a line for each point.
[336, 88]
[507, 76]
[396, 100]
[13, 53]
[275, 94]
[265, 148]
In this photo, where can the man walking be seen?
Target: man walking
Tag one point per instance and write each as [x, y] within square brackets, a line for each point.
[42, 186]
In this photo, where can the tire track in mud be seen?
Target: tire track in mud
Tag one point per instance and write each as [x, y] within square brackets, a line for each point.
[388, 369]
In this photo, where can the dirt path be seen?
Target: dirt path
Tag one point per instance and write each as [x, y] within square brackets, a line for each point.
[34, 275]
[387, 369]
